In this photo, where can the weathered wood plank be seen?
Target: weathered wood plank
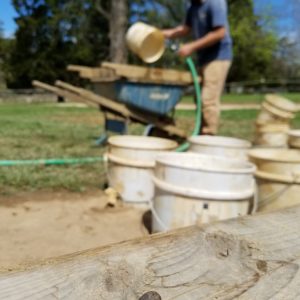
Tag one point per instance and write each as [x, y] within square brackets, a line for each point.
[254, 257]
[60, 92]
[94, 74]
[150, 74]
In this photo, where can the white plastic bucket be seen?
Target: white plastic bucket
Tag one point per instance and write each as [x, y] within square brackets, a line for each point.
[278, 177]
[146, 41]
[131, 160]
[195, 189]
[220, 146]
[294, 139]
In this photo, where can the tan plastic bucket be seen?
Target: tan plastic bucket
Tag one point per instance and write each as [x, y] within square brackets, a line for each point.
[220, 146]
[294, 139]
[146, 41]
[281, 103]
[278, 177]
[271, 114]
[276, 109]
[272, 135]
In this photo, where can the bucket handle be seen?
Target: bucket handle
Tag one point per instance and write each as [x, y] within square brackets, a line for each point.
[290, 180]
[157, 217]
[253, 204]
[189, 192]
[293, 178]
[161, 223]
[130, 162]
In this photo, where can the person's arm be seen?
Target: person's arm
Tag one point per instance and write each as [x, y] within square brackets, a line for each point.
[179, 31]
[208, 40]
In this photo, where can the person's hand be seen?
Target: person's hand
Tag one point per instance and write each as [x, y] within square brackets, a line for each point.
[185, 50]
[167, 33]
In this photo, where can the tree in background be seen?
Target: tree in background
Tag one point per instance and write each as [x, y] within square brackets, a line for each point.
[254, 45]
[116, 14]
[52, 34]
[5, 49]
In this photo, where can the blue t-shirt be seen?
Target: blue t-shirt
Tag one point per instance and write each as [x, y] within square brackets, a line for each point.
[205, 17]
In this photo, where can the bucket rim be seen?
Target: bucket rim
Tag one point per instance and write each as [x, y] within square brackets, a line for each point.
[248, 167]
[294, 133]
[266, 154]
[208, 140]
[120, 142]
[204, 194]
[281, 103]
[279, 178]
[277, 112]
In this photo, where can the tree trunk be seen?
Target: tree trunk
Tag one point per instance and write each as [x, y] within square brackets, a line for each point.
[118, 26]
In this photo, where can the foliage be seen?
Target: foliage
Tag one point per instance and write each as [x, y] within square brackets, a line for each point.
[5, 49]
[52, 34]
[254, 47]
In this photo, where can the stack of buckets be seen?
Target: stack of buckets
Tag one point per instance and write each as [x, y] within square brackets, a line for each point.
[278, 168]
[183, 189]
[277, 177]
[274, 122]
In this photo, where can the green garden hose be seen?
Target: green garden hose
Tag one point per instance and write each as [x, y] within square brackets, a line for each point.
[197, 127]
[48, 162]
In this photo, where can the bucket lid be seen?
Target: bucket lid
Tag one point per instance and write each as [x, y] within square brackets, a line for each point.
[195, 161]
[142, 142]
[276, 155]
[219, 141]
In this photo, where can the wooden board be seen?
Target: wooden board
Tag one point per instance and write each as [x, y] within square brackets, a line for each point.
[150, 74]
[248, 258]
[60, 92]
[102, 74]
[111, 72]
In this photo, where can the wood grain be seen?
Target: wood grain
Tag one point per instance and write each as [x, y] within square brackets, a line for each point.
[248, 258]
[161, 76]
[111, 72]
[94, 74]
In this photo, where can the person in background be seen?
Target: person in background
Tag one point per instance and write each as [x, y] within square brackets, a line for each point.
[208, 21]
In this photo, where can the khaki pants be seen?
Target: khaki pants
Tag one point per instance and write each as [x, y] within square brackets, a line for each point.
[213, 80]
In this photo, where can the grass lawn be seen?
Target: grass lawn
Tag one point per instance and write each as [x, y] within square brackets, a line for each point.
[36, 131]
[44, 131]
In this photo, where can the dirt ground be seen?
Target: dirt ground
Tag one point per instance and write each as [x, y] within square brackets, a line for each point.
[39, 226]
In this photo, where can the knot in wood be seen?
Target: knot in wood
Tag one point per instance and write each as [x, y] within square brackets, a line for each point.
[151, 296]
